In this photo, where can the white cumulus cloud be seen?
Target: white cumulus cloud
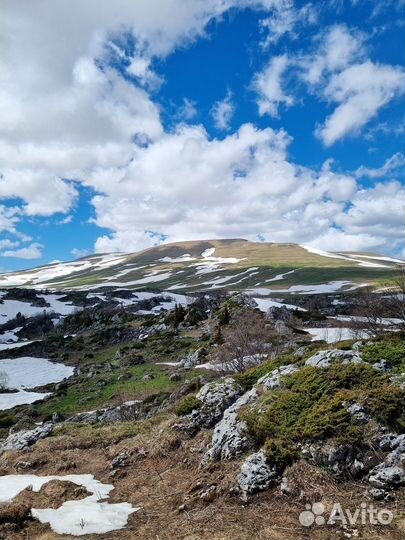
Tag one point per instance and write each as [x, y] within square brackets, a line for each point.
[268, 85]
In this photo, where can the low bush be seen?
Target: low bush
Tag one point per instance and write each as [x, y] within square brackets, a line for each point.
[187, 405]
[390, 348]
[309, 406]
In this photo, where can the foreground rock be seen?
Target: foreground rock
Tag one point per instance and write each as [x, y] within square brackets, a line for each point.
[256, 475]
[230, 438]
[390, 473]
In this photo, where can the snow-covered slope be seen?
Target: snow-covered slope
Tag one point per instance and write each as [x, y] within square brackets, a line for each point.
[208, 265]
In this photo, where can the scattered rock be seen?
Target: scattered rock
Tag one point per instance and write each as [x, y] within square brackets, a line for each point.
[377, 494]
[256, 475]
[357, 411]
[121, 460]
[357, 346]
[337, 458]
[129, 410]
[382, 365]
[192, 359]
[245, 300]
[300, 352]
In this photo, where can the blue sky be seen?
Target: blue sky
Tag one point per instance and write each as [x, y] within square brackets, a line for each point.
[126, 124]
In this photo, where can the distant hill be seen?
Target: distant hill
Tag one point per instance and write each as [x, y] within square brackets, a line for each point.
[203, 265]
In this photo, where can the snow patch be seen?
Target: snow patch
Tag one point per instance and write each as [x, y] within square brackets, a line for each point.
[265, 303]
[27, 372]
[207, 253]
[79, 517]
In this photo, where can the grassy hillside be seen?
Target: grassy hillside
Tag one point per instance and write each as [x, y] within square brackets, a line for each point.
[209, 264]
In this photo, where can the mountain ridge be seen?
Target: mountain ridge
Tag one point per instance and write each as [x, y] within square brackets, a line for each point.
[201, 265]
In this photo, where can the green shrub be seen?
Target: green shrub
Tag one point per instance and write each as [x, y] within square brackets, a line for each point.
[6, 421]
[249, 378]
[386, 404]
[187, 405]
[279, 452]
[309, 407]
[390, 348]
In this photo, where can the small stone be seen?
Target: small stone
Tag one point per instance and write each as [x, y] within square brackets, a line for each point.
[376, 494]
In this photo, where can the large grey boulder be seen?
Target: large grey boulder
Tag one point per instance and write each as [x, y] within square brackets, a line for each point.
[23, 439]
[324, 359]
[230, 438]
[219, 395]
[256, 475]
[273, 379]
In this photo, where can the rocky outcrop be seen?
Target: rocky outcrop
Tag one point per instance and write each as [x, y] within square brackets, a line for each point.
[391, 472]
[130, 410]
[230, 438]
[245, 300]
[273, 380]
[324, 359]
[23, 439]
[338, 458]
[256, 475]
[215, 397]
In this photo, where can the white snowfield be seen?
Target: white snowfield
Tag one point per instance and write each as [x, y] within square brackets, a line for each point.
[153, 277]
[27, 372]
[9, 336]
[333, 335]
[5, 346]
[78, 517]
[241, 276]
[353, 257]
[331, 287]
[55, 270]
[183, 258]
[10, 308]
[265, 303]
[280, 276]
[22, 397]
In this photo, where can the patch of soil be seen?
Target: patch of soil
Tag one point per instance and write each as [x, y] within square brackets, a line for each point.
[52, 494]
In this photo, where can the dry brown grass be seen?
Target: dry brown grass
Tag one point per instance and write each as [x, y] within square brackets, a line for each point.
[163, 478]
